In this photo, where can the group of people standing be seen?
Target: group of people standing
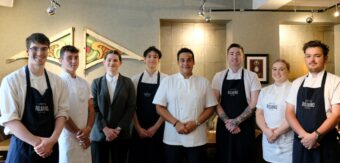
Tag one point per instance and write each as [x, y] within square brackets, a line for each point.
[64, 119]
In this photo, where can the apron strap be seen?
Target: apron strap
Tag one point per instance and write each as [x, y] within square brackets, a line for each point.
[226, 74]
[158, 78]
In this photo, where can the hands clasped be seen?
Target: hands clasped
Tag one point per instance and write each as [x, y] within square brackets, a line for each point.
[309, 140]
[146, 133]
[185, 128]
[111, 134]
[232, 126]
[45, 147]
[83, 137]
[271, 134]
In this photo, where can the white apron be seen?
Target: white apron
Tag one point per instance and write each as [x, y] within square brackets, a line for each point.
[274, 113]
[70, 150]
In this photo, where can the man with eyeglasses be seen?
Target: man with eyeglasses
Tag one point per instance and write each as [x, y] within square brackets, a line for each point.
[34, 107]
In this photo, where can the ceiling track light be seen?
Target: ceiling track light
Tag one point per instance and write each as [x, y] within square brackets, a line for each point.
[207, 17]
[310, 19]
[51, 9]
[203, 12]
[273, 10]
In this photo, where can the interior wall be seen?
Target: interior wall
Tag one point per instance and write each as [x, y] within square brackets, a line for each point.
[206, 40]
[337, 49]
[292, 39]
[136, 26]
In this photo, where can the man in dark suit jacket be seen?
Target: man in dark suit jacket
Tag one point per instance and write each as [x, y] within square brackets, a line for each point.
[114, 102]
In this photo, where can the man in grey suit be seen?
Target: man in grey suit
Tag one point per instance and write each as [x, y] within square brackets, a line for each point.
[114, 102]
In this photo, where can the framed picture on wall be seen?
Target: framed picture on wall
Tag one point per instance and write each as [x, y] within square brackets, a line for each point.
[258, 63]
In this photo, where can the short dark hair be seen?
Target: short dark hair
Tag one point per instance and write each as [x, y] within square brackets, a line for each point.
[235, 45]
[68, 48]
[115, 52]
[185, 50]
[37, 38]
[284, 62]
[316, 43]
[152, 49]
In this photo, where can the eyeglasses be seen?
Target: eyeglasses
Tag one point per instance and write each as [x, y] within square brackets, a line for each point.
[36, 49]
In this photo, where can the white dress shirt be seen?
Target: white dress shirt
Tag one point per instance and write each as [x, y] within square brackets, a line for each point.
[185, 99]
[111, 84]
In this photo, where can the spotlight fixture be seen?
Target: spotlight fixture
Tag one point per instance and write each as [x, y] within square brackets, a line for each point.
[201, 13]
[336, 13]
[310, 19]
[51, 9]
[207, 18]
[201, 10]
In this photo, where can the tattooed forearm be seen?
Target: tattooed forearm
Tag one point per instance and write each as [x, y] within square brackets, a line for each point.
[222, 114]
[245, 115]
[224, 117]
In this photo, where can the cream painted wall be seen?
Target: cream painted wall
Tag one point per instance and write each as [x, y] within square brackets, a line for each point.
[206, 40]
[292, 39]
[135, 25]
[337, 49]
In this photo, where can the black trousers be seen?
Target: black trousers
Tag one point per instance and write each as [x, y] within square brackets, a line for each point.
[116, 149]
[177, 154]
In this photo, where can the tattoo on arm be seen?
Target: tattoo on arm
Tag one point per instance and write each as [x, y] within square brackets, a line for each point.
[221, 114]
[224, 117]
[245, 115]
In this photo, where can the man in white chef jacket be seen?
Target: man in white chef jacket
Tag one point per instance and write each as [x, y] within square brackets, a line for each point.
[74, 141]
[185, 101]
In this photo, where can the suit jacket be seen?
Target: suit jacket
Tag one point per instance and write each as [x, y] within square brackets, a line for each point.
[118, 113]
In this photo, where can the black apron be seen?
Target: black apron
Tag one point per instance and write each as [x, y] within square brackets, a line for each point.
[238, 148]
[310, 112]
[147, 150]
[38, 118]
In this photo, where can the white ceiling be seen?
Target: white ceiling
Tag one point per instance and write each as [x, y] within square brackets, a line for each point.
[276, 4]
[257, 4]
[313, 3]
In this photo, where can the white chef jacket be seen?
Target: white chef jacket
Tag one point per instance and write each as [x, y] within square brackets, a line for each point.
[331, 92]
[251, 82]
[272, 101]
[147, 78]
[185, 99]
[13, 95]
[69, 149]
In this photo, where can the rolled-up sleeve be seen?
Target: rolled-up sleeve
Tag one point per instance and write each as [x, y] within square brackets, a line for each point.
[9, 100]
[61, 100]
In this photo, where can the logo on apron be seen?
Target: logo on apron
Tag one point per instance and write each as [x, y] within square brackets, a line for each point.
[308, 104]
[271, 106]
[147, 94]
[232, 92]
[41, 108]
